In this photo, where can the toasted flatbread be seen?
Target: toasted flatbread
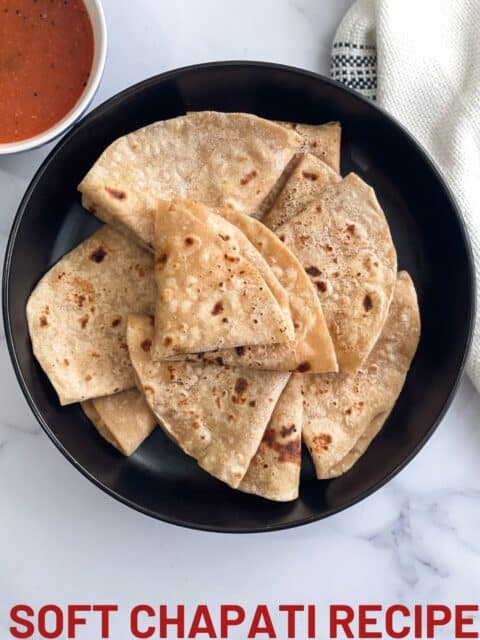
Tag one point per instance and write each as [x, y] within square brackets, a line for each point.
[342, 413]
[221, 159]
[274, 472]
[216, 414]
[344, 244]
[77, 315]
[312, 348]
[214, 288]
[302, 188]
[123, 419]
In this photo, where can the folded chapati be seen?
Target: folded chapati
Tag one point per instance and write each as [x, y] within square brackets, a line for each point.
[214, 288]
[123, 419]
[342, 413]
[344, 244]
[77, 315]
[303, 187]
[216, 414]
[220, 159]
[312, 348]
[321, 140]
[274, 472]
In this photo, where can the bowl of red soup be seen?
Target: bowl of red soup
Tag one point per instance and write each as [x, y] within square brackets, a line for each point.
[52, 55]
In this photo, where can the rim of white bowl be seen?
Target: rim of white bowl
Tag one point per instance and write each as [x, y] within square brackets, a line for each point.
[99, 26]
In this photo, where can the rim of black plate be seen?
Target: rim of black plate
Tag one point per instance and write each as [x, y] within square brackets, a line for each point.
[131, 91]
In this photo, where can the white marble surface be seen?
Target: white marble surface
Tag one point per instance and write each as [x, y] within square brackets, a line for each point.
[62, 540]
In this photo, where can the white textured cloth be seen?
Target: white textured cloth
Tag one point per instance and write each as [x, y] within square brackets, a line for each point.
[420, 60]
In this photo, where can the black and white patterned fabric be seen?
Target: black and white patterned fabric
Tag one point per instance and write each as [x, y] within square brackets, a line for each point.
[355, 65]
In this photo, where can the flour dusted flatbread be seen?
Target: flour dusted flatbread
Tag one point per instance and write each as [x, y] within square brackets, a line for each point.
[220, 159]
[77, 315]
[216, 414]
[305, 184]
[321, 140]
[123, 419]
[274, 471]
[342, 413]
[343, 241]
[312, 348]
[214, 288]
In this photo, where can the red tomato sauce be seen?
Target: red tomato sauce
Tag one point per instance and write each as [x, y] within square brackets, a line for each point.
[46, 55]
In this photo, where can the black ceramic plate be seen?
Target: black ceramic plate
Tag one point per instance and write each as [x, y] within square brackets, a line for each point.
[159, 480]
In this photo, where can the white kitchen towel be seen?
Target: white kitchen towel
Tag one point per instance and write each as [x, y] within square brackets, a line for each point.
[420, 60]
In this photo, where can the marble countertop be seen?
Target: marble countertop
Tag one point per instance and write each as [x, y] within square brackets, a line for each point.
[62, 540]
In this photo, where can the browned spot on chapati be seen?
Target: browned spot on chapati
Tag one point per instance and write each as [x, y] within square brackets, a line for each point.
[217, 308]
[287, 431]
[43, 321]
[84, 321]
[252, 403]
[66, 362]
[167, 341]
[196, 425]
[219, 361]
[79, 299]
[142, 270]
[282, 237]
[224, 237]
[367, 303]
[321, 442]
[225, 320]
[321, 286]
[309, 175]
[162, 258]
[289, 452]
[116, 321]
[98, 254]
[351, 228]
[240, 387]
[240, 351]
[231, 258]
[148, 389]
[146, 345]
[189, 242]
[313, 271]
[304, 366]
[119, 194]
[248, 177]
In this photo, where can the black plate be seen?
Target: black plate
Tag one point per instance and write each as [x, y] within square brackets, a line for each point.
[159, 480]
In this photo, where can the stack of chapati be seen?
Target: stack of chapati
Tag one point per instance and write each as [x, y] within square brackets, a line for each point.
[242, 295]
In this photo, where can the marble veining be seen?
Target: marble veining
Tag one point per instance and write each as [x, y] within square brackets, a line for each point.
[62, 540]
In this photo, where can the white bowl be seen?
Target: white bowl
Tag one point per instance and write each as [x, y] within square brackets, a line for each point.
[97, 17]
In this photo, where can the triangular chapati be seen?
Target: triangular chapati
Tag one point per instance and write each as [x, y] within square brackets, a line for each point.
[216, 414]
[77, 315]
[214, 288]
[312, 348]
[344, 244]
[340, 410]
